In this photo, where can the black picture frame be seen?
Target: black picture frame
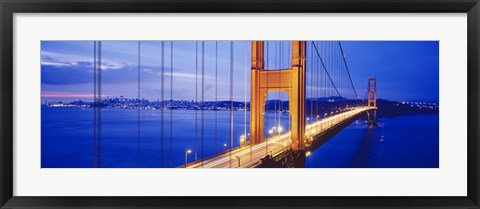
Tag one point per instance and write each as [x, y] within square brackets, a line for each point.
[10, 7]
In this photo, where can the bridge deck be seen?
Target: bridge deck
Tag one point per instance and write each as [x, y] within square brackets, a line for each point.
[250, 155]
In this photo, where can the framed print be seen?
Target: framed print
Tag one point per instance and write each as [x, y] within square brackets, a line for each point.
[193, 104]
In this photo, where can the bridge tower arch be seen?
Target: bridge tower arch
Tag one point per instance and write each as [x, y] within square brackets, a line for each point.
[372, 101]
[291, 80]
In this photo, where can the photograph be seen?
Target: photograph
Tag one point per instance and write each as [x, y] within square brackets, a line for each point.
[314, 104]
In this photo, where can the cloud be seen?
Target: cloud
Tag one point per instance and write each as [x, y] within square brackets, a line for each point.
[66, 60]
[60, 64]
[69, 95]
[81, 72]
[186, 75]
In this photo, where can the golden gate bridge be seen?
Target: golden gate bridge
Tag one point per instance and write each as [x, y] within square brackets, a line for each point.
[306, 71]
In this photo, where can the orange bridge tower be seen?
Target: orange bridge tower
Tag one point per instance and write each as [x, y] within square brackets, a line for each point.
[291, 80]
[372, 101]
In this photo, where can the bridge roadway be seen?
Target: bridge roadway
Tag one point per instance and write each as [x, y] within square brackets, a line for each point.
[249, 155]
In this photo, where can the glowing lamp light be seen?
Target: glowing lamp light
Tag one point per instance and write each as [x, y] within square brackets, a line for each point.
[307, 154]
[189, 151]
[280, 129]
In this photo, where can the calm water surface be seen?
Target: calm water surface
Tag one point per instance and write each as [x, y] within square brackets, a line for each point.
[399, 142]
[67, 139]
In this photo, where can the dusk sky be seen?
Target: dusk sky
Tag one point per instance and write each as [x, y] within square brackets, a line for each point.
[405, 70]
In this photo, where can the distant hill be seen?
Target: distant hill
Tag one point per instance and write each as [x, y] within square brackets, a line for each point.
[386, 108]
[320, 106]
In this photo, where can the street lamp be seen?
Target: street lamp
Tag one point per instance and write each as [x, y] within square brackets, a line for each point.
[186, 156]
[224, 147]
[280, 129]
[307, 154]
[242, 139]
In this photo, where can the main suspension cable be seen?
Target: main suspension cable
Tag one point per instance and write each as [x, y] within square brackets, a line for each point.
[348, 71]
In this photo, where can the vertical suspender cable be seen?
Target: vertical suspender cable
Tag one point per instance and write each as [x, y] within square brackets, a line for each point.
[318, 86]
[279, 108]
[196, 98]
[216, 93]
[138, 103]
[330, 65]
[95, 104]
[325, 80]
[245, 93]
[315, 88]
[327, 85]
[289, 64]
[335, 69]
[99, 110]
[275, 97]
[231, 101]
[162, 109]
[171, 104]
[313, 85]
[280, 101]
[203, 100]
[311, 89]
[265, 107]
[340, 72]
